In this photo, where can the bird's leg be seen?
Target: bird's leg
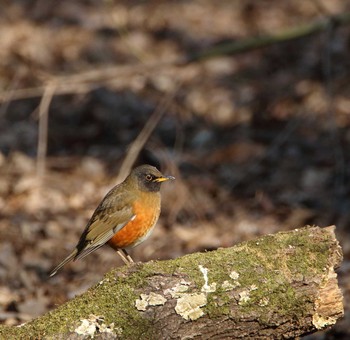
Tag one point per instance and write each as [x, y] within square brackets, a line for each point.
[128, 256]
[125, 256]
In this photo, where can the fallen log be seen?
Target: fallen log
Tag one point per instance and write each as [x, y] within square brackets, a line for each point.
[278, 286]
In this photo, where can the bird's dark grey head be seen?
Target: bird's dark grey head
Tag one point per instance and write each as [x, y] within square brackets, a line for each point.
[148, 178]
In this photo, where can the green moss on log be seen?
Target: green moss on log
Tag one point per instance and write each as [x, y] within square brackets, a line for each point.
[266, 269]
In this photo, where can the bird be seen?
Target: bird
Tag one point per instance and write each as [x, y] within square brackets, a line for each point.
[125, 217]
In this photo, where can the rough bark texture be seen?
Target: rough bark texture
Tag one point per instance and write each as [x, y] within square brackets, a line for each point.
[278, 286]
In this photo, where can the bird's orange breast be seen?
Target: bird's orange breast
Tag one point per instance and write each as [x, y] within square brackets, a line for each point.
[146, 210]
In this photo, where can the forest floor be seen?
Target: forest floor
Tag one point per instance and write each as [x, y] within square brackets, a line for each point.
[259, 142]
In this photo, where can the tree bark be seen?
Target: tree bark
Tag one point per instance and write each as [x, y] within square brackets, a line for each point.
[278, 286]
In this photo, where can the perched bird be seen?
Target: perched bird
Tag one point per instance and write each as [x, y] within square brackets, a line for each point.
[125, 217]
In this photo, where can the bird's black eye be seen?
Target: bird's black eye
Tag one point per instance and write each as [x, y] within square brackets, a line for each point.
[149, 177]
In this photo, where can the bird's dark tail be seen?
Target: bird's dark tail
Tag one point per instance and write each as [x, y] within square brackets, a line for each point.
[69, 258]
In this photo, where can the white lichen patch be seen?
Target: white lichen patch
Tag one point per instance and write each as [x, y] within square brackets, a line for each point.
[141, 304]
[103, 281]
[156, 299]
[210, 289]
[22, 324]
[184, 282]
[188, 306]
[264, 301]
[86, 328]
[206, 287]
[226, 285]
[234, 275]
[151, 299]
[253, 287]
[94, 325]
[178, 290]
[244, 297]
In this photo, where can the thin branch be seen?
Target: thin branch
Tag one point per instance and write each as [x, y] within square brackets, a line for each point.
[12, 85]
[252, 43]
[145, 133]
[86, 81]
[82, 82]
[43, 129]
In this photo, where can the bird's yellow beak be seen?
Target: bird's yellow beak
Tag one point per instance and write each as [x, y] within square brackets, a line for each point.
[164, 178]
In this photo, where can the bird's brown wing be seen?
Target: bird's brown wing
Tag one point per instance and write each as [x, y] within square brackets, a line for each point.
[112, 214]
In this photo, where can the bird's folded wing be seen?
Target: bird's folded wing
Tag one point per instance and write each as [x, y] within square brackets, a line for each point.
[100, 231]
[110, 216]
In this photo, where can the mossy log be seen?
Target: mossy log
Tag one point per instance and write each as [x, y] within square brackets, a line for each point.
[277, 286]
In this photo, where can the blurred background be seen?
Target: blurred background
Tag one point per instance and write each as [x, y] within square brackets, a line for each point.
[258, 139]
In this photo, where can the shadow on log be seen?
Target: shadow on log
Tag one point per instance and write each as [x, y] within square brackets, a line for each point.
[277, 286]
